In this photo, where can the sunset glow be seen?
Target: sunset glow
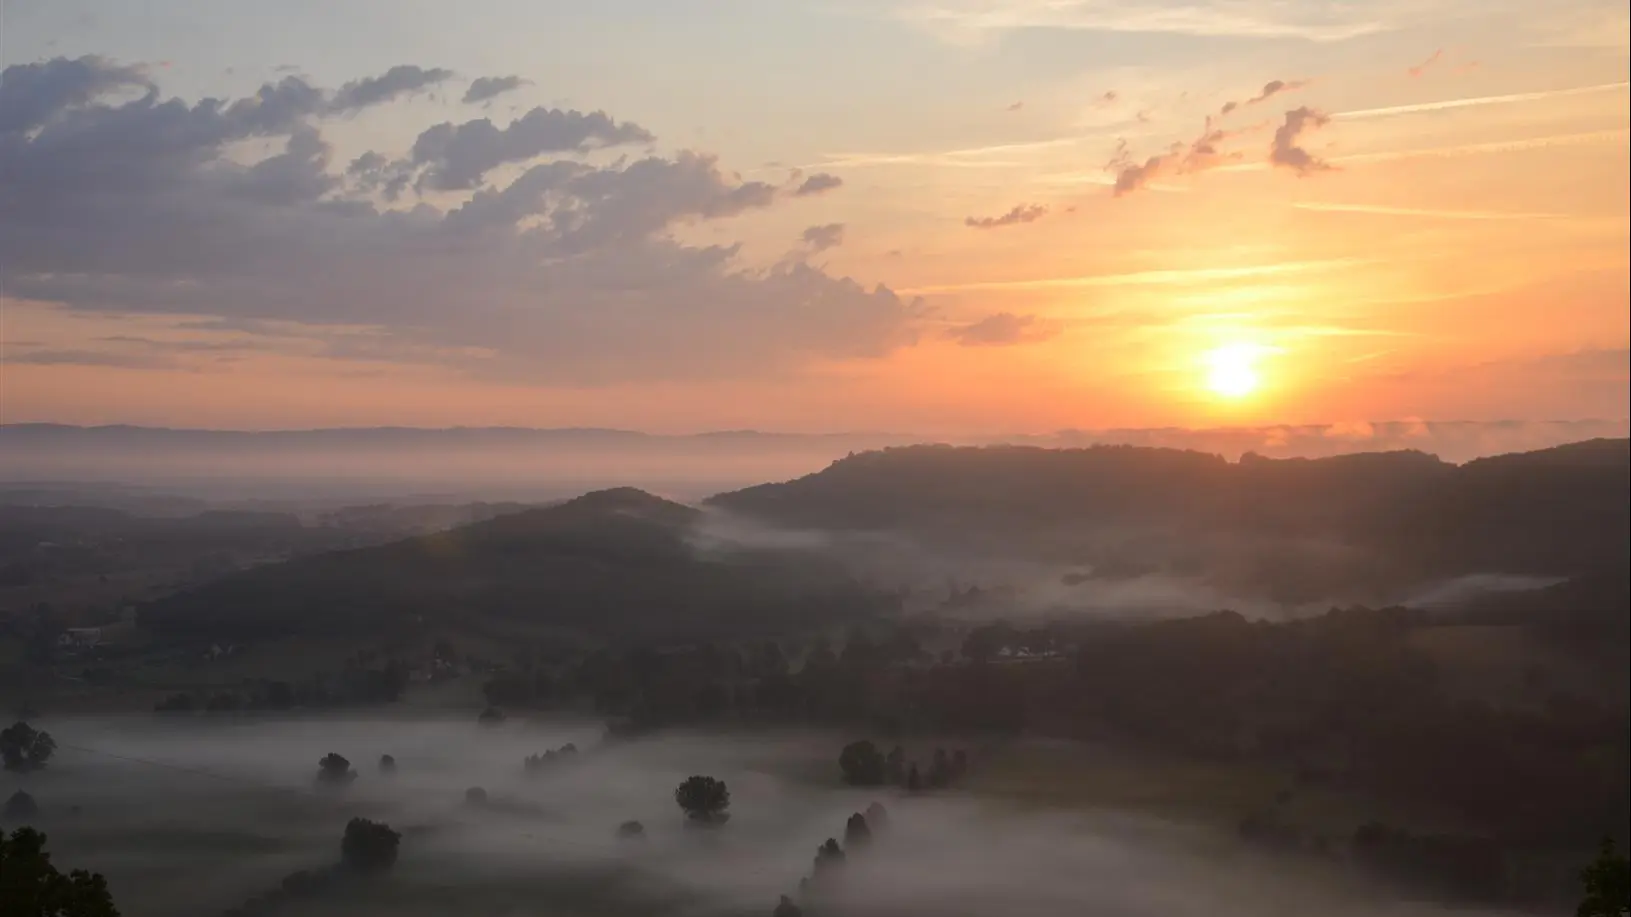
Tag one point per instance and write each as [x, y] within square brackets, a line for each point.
[993, 217]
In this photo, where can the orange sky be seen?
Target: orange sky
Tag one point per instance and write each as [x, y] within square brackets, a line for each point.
[1070, 207]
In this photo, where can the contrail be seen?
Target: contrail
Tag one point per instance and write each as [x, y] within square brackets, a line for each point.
[1447, 104]
[1145, 278]
[1382, 210]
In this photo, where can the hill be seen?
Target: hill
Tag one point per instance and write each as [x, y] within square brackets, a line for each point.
[618, 564]
[1294, 527]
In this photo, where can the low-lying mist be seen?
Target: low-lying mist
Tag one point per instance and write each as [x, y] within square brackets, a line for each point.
[188, 818]
[1110, 571]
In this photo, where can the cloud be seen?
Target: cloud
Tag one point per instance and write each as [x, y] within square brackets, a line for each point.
[1004, 329]
[1287, 153]
[1021, 213]
[1421, 68]
[1015, 106]
[98, 358]
[819, 183]
[1385, 210]
[976, 21]
[483, 88]
[821, 238]
[572, 273]
[32, 94]
[1273, 88]
[1203, 153]
[401, 80]
[458, 157]
[1477, 101]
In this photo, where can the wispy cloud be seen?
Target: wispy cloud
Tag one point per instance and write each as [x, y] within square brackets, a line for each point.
[1421, 68]
[1383, 210]
[1475, 101]
[1149, 278]
[1620, 135]
[1021, 213]
[976, 21]
[966, 158]
[1005, 329]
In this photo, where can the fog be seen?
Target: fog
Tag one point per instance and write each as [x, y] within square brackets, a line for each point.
[190, 818]
[1122, 571]
[527, 464]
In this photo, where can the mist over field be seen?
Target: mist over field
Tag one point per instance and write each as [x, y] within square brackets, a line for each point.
[189, 819]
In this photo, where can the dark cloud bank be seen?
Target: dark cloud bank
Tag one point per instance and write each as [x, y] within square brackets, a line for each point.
[510, 251]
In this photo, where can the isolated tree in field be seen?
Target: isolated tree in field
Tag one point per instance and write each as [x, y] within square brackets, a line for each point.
[387, 764]
[335, 770]
[475, 797]
[24, 748]
[1608, 884]
[631, 830]
[31, 887]
[369, 847]
[863, 764]
[786, 908]
[21, 805]
[704, 799]
[857, 833]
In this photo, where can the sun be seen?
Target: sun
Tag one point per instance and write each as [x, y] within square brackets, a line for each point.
[1232, 370]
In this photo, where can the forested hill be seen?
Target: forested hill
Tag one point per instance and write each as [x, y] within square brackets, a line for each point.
[1559, 511]
[615, 563]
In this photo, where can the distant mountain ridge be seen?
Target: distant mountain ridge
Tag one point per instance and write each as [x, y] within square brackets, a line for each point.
[1398, 516]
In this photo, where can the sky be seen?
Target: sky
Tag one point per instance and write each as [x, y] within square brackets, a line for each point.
[937, 216]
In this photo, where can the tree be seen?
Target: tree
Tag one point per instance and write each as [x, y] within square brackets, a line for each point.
[24, 748]
[857, 833]
[877, 817]
[335, 770]
[1608, 888]
[914, 782]
[31, 887]
[939, 769]
[387, 764]
[369, 847]
[895, 765]
[786, 908]
[475, 797]
[492, 716]
[863, 764]
[704, 799]
[829, 856]
[631, 830]
[21, 805]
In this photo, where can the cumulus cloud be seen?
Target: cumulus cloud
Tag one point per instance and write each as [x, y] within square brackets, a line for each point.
[1021, 213]
[397, 82]
[572, 273]
[819, 183]
[483, 88]
[458, 157]
[820, 238]
[1286, 151]
[1004, 329]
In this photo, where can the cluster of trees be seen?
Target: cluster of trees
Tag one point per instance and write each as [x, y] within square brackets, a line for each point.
[364, 680]
[862, 764]
[538, 764]
[24, 748]
[367, 849]
[859, 832]
[32, 886]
